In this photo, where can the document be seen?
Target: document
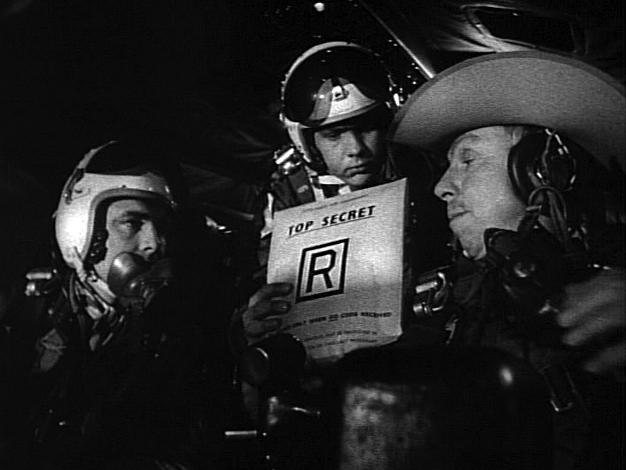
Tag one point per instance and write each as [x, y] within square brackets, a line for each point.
[344, 256]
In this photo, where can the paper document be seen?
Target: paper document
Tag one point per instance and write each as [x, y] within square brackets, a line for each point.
[344, 257]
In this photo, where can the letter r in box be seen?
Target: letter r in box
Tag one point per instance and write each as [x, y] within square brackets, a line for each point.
[322, 270]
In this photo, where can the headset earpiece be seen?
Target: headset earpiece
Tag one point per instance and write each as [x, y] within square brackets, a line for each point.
[539, 159]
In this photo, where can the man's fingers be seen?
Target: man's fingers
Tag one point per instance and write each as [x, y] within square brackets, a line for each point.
[593, 328]
[266, 308]
[257, 329]
[264, 318]
[601, 295]
[268, 291]
[609, 359]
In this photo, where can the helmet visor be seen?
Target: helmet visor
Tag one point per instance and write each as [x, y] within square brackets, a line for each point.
[342, 73]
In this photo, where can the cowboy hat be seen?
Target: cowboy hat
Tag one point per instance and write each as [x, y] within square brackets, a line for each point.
[530, 87]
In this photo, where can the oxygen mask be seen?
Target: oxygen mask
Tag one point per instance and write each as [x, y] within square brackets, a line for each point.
[135, 281]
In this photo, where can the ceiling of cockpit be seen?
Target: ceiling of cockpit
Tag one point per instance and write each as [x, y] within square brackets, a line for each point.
[203, 76]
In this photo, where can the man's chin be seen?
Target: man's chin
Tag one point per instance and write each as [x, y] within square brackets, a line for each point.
[473, 251]
[360, 181]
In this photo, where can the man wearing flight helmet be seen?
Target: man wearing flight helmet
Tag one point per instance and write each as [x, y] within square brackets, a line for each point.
[123, 374]
[337, 103]
[529, 138]
[102, 214]
[338, 100]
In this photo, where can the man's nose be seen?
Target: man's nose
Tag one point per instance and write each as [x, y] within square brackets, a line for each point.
[353, 143]
[446, 188]
[150, 240]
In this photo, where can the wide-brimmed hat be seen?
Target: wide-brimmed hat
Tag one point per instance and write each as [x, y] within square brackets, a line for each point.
[577, 99]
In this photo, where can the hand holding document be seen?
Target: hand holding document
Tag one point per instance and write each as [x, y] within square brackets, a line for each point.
[344, 256]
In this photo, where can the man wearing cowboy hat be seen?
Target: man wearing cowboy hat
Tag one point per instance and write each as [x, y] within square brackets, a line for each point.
[533, 143]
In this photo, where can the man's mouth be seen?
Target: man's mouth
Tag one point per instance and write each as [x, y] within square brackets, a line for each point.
[358, 170]
[455, 215]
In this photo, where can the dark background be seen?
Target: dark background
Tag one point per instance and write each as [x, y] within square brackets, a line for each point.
[203, 76]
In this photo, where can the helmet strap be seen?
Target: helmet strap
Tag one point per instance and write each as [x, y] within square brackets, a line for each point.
[95, 287]
[315, 161]
[108, 319]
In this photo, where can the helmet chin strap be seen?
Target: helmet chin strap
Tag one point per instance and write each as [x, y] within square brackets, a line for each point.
[100, 299]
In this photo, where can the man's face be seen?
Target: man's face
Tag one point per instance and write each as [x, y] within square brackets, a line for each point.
[352, 152]
[134, 226]
[477, 189]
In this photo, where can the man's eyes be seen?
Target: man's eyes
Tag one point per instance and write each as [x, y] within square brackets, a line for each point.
[466, 157]
[336, 134]
[465, 161]
[131, 225]
[331, 135]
